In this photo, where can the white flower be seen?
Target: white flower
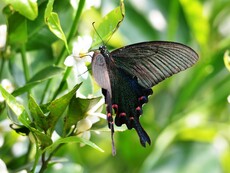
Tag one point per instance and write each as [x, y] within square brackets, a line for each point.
[3, 34]
[79, 57]
[8, 86]
[3, 167]
[84, 125]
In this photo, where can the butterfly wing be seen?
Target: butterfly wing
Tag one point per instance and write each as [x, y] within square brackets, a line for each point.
[100, 71]
[152, 62]
[122, 93]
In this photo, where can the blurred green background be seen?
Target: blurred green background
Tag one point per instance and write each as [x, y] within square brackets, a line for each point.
[187, 117]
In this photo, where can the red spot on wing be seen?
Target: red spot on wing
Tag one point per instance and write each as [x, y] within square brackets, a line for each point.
[142, 100]
[131, 118]
[138, 108]
[122, 114]
[115, 107]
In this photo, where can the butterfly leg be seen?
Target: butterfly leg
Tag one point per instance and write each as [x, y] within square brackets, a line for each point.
[111, 126]
[109, 117]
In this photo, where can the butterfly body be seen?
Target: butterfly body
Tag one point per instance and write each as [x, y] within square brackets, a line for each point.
[127, 75]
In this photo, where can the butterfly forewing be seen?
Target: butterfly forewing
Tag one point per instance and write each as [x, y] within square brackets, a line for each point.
[152, 62]
[100, 71]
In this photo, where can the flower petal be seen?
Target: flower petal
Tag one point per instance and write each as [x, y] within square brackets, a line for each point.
[7, 85]
[77, 46]
[80, 70]
[83, 125]
[88, 57]
[3, 33]
[85, 135]
[69, 61]
[93, 118]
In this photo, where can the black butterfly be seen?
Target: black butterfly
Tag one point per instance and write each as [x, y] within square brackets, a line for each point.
[126, 76]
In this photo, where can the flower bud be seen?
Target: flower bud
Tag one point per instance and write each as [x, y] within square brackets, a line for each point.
[83, 125]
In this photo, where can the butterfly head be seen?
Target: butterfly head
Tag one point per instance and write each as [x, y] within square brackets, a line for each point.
[104, 51]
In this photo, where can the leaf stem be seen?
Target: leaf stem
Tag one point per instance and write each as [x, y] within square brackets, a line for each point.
[37, 155]
[2, 65]
[24, 63]
[63, 82]
[45, 91]
[45, 162]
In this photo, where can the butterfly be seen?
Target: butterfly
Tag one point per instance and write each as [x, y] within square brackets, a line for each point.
[127, 75]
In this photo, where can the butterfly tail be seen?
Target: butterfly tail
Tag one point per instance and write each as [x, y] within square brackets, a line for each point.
[141, 133]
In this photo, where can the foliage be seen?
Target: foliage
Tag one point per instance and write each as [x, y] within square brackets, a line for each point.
[187, 117]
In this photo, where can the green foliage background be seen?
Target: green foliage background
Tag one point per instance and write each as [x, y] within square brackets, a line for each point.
[188, 116]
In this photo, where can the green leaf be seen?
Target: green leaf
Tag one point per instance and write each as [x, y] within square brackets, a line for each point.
[44, 74]
[109, 24]
[17, 29]
[71, 139]
[42, 139]
[49, 9]
[38, 116]
[55, 27]
[78, 109]
[25, 88]
[58, 106]
[17, 108]
[47, 73]
[27, 8]
[53, 22]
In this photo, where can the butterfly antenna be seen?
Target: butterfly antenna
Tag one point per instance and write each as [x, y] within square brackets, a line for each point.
[117, 26]
[98, 33]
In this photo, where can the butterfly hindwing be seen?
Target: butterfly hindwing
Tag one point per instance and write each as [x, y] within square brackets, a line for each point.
[127, 100]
